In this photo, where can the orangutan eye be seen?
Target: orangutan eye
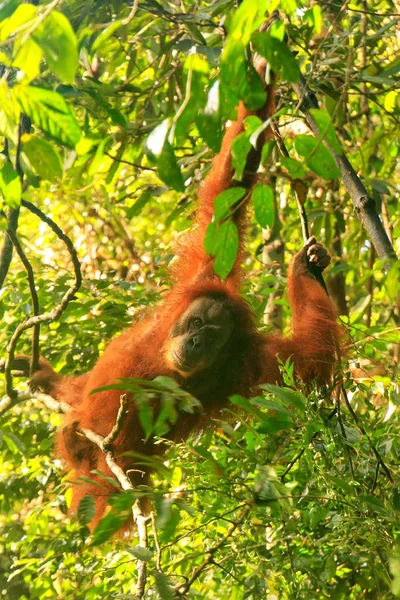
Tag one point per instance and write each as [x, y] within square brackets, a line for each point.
[197, 322]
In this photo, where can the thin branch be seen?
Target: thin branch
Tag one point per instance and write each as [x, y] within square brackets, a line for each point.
[34, 363]
[119, 422]
[363, 431]
[343, 430]
[156, 541]
[49, 401]
[364, 205]
[54, 314]
[300, 454]
[127, 162]
[182, 589]
[7, 246]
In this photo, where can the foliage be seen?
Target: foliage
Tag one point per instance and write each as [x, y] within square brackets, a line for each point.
[127, 105]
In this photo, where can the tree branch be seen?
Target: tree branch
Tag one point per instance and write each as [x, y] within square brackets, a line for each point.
[45, 317]
[182, 589]
[364, 205]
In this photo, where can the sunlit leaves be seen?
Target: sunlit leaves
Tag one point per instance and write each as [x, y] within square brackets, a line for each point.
[10, 185]
[49, 111]
[27, 58]
[9, 113]
[58, 41]
[43, 157]
[21, 18]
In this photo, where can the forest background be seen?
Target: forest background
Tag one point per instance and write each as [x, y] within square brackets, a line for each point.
[110, 114]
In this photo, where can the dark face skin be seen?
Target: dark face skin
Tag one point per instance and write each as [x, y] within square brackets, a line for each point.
[198, 336]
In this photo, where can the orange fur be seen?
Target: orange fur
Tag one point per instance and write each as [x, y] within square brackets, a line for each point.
[141, 351]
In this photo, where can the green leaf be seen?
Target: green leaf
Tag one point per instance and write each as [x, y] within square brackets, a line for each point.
[374, 503]
[326, 129]
[393, 281]
[10, 185]
[9, 113]
[286, 395]
[104, 35]
[137, 207]
[317, 157]
[57, 39]
[27, 58]
[49, 111]
[160, 151]
[294, 167]
[163, 587]
[350, 435]
[222, 242]
[240, 148]
[108, 525]
[314, 18]
[86, 510]
[43, 157]
[209, 121]
[24, 14]
[278, 55]
[236, 73]
[226, 200]
[262, 198]
[7, 9]
[140, 553]
[342, 484]
[169, 170]
[155, 142]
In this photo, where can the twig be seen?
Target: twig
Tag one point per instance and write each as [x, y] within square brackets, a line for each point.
[54, 314]
[127, 162]
[34, 362]
[49, 401]
[156, 541]
[121, 416]
[182, 589]
[342, 429]
[300, 454]
[363, 431]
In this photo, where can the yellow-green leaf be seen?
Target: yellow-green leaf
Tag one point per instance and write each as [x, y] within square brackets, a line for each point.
[58, 41]
[43, 157]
